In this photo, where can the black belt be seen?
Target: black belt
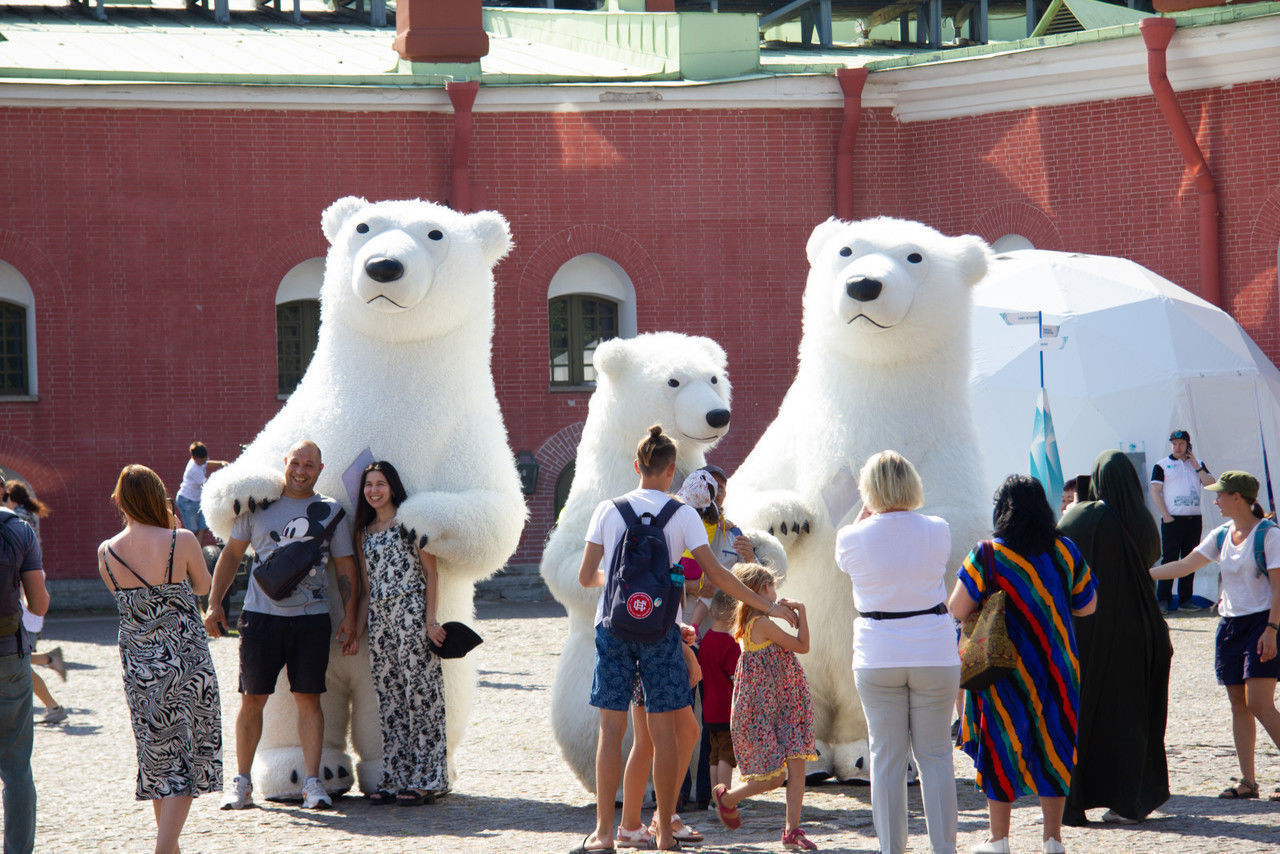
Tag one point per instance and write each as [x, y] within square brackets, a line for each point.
[899, 615]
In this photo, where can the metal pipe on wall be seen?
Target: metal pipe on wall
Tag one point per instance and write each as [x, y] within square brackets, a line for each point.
[462, 95]
[1157, 33]
[851, 82]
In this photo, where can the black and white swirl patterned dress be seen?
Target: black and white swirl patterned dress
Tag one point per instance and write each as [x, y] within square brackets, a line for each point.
[171, 687]
[406, 673]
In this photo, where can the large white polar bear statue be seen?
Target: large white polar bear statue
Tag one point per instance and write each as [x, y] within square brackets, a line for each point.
[884, 363]
[402, 369]
[666, 378]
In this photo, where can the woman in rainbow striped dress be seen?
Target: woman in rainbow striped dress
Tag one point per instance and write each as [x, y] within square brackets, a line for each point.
[1016, 749]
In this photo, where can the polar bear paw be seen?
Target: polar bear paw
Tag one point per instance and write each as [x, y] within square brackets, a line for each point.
[784, 514]
[236, 489]
[851, 762]
[425, 516]
[278, 773]
[817, 770]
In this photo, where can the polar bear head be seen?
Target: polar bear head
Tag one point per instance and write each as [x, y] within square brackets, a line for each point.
[409, 270]
[889, 291]
[678, 381]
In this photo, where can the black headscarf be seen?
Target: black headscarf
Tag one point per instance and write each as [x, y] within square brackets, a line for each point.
[1115, 483]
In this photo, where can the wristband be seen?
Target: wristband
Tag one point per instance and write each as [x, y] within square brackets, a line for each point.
[1275, 626]
[771, 607]
[1203, 467]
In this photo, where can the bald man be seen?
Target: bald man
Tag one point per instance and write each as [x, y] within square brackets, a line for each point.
[291, 632]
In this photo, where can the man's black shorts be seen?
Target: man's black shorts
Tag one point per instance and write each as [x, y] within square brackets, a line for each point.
[298, 644]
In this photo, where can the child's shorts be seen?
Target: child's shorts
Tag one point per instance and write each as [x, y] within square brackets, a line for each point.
[721, 745]
[660, 665]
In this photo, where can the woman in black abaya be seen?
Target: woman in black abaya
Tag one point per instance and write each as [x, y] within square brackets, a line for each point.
[1124, 652]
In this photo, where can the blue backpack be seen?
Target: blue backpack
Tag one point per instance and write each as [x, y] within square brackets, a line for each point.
[1259, 542]
[642, 591]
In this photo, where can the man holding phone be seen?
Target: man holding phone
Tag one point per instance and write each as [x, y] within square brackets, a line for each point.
[1176, 482]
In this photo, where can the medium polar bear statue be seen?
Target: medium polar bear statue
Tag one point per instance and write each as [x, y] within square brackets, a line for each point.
[884, 363]
[664, 378]
[401, 369]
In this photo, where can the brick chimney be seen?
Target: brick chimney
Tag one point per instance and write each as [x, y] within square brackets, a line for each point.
[440, 31]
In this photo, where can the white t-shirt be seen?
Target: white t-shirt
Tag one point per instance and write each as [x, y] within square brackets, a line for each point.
[898, 562]
[193, 478]
[1244, 591]
[684, 530]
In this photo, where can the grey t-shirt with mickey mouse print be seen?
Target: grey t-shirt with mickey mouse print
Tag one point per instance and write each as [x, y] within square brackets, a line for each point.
[287, 520]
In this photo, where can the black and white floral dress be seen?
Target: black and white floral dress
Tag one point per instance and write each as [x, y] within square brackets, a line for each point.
[406, 673]
[170, 686]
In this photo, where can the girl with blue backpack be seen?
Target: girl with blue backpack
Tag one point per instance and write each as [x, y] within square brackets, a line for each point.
[1247, 549]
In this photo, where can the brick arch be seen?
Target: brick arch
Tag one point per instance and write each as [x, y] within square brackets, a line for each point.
[1266, 227]
[285, 254]
[1019, 218]
[41, 274]
[45, 479]
[571, 242]
[557, 451]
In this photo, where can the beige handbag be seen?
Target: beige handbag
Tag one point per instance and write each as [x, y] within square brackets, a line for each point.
[986, 653]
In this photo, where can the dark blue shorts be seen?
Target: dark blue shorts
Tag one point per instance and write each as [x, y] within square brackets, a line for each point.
[660, 664]
[1235, 656]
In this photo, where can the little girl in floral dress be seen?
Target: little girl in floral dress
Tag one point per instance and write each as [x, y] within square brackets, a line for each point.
[772, 718]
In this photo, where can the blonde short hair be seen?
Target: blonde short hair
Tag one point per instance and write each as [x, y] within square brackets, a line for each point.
[888, 481]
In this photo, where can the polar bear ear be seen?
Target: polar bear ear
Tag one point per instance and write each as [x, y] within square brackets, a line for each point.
[336, 214]
[820, 236]
[494, 234]
[971, 259]
[610, 357]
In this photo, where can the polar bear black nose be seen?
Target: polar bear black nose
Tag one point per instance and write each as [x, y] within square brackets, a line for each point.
[384, 269]
[863, 290]
[717, 418]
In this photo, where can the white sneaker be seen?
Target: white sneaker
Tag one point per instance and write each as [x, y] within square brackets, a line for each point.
[56, 715]
[241, 795]
[999, 846]
[314, 797]
[1054, 846]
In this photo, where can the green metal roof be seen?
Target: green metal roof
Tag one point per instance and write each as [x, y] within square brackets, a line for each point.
[166, 43]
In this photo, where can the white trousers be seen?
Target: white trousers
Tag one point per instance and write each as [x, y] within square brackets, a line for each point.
[909, 710]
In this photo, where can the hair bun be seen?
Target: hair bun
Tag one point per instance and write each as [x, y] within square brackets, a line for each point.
[655, 431]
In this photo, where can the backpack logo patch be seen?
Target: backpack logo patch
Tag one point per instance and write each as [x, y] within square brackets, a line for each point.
[639, 605]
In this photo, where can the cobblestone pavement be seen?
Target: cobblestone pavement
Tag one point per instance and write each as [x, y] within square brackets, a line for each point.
[514, 794]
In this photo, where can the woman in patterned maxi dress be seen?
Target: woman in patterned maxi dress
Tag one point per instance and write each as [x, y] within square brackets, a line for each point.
[402, 620]
[169, 680]
[1021, 731]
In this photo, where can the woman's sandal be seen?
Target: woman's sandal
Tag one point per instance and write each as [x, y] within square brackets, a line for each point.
[414, 798]
[679, 830]
[381, 798]
[1274, 796]
[1243, 789]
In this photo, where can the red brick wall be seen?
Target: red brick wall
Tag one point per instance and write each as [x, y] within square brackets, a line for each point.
[154, 242]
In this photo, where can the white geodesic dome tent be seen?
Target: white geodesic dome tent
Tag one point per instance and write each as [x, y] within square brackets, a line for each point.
[1136, 357]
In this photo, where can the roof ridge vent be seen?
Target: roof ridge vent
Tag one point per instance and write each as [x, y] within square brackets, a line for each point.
[1074, 16]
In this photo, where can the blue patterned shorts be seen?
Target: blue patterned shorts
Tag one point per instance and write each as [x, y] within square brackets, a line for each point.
[660, 664]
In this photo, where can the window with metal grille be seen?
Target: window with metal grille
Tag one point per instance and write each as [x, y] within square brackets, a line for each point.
[578, 323]
[297, 324]
[13, 349]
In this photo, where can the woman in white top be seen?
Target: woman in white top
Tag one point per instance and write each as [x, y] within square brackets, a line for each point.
[1245, 647]
[905, 663]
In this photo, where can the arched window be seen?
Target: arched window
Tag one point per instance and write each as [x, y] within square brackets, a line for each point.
[17, 334]
[563, 483]
[1010, 243]
[297, 322]
[590, 299]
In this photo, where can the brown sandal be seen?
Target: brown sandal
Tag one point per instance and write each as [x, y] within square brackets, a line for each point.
[1243, 789]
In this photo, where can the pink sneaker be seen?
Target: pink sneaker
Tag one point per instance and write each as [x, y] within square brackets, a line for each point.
[796, 839]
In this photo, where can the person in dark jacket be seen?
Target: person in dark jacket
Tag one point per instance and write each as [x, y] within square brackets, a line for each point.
[1124, 652]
